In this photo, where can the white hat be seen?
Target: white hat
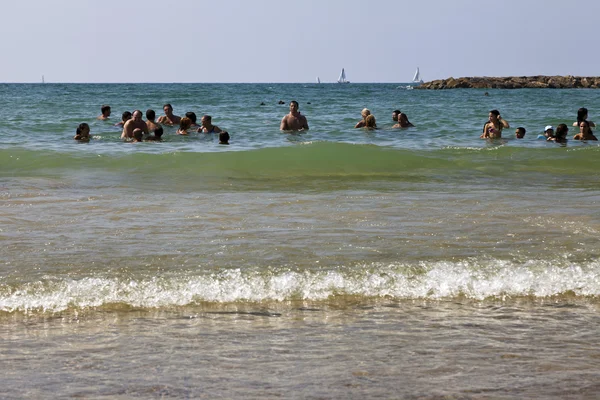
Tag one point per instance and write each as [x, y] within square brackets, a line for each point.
[548, 127]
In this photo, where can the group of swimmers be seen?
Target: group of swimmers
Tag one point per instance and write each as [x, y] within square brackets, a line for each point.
[492, 129]
[135, 129]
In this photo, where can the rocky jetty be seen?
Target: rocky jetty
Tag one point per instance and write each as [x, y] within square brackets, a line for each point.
[514, 82]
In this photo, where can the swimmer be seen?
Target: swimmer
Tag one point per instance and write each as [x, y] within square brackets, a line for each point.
[585, 132]
[192, 116]
[105, 109]
[135, 122]
[561, 134]
[582, 115]
[370, 122]
[169, 118]
[294, 121]
[403, 122]
[395, 114]
[82, 133]
[224, 138]
[138, 135]
[363, 122]
[520, 132]
[184, 124]
[493, 128]
[157, 136]
[126, 116]
[207, 126]
[150, 120]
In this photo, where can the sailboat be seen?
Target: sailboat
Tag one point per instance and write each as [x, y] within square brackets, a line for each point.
[43, 79]
[417, 77]
[342, 78]
[318, 80]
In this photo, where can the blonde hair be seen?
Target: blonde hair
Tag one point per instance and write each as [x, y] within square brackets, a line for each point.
[365, 112]
[370, 121]
[185, 123]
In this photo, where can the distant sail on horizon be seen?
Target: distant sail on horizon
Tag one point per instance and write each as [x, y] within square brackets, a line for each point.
[342, 78]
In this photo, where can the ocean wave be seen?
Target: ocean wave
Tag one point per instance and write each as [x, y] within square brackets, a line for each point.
[474, 279]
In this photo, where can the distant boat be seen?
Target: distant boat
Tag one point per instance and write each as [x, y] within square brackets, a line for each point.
[43, 79]
[318, 80]
[417, 77]
[342, 78]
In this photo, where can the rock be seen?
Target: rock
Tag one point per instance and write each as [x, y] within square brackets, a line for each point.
[514, 82]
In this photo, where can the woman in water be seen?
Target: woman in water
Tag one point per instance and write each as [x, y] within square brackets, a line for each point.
[585, 132]
[207, 126]
[493, 128]
[582, 115]
[560, 135]
[403, 121]
[184, 124]
[370, 122]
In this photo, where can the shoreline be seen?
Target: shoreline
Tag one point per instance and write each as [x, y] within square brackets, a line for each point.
[514, 82]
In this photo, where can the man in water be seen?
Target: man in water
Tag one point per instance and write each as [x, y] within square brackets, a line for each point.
[294, 121]
[135, 123]
[150, 117]
[169, 118]
[105, 109]
[395, 114]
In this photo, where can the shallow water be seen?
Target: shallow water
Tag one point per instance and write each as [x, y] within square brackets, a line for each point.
[421, 263]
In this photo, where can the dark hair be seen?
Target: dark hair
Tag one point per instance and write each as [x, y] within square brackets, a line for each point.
[224, 137]
[495, 112]
[208, 117]
[192, 116]
[105, 108]
[396, 112]
[150, 114]
[81, 127]
[588, 125]
[581, 114]
[295, 102]
[561, 132]
[158, 132]
[168, 105]
[126, 115]
[521, 129]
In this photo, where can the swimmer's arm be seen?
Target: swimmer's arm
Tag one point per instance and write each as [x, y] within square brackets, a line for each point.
[125, 133]
[284, 125]
[304, 123]
[504, 122]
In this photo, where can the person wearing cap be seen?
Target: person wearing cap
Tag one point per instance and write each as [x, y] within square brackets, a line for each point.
[548, 131]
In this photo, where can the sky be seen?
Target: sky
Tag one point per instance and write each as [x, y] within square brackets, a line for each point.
[294, 41]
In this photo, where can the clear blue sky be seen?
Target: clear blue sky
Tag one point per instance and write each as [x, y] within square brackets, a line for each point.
[295, 41]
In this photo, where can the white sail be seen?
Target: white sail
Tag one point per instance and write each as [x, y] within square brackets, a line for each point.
[417, 77]
[342, 78]
[43, 79]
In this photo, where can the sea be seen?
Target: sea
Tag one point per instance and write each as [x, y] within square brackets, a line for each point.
[334, 263]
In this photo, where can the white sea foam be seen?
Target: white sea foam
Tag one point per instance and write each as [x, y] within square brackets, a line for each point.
[439, 280]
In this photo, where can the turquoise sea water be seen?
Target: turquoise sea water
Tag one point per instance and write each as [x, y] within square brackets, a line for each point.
[333, 263]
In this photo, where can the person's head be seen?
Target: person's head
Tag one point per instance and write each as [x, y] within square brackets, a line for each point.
[403, 119]
[158, 132]
[561, 133]
[223, 138]
[520, 132]
[494, 114]
[185, 123]
[365, 113]
[137, 115]
[395, 115]
[168, 109]
[370, 121]
[206, 120]
[582, 114]
[294, 106]
[83, 131]
[138, 134]
[584, 128]
[126, 116]
[105, 110]
[192, 116]
[150, 115]
[549, 131]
